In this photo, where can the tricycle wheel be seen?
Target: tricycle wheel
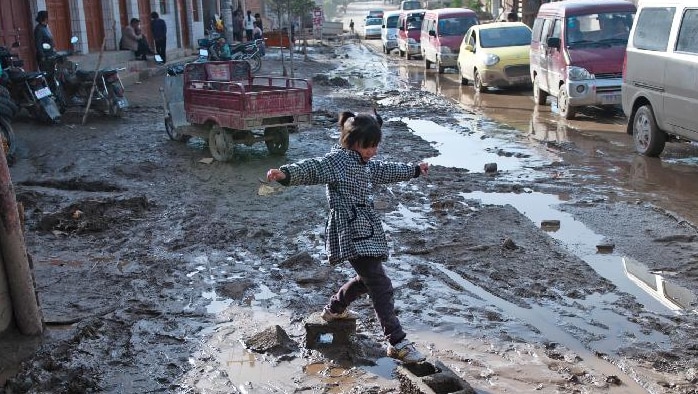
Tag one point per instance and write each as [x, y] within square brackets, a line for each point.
[172, 130]
[276, 139]
[220, 143]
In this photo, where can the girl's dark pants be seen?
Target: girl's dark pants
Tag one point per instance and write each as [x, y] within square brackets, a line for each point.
[372, 280]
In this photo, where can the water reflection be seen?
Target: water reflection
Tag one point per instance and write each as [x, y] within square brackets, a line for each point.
[672, 296]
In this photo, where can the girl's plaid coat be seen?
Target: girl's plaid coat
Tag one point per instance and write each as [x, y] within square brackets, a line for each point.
[353, 227]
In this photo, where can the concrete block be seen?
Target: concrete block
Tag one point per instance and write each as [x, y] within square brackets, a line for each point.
[428, 378]
[319, 333]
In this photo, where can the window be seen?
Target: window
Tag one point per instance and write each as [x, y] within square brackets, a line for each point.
[195, 11]
[652, 30]
[537, 29]
[688, 32]
[163, 7]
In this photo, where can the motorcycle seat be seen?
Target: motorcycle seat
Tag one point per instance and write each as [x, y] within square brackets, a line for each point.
[17, 74]
[85, 75]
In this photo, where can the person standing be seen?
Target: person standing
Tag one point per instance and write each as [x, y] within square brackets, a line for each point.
[354, 231]
[237, 26]
[249, 25]
[351, 26]
[258, 20]
[159, 29]
[42, 35]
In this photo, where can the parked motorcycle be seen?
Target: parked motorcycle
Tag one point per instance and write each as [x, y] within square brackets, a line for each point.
[73, 86]
[251, 51]
[29, 90]
[8, 110]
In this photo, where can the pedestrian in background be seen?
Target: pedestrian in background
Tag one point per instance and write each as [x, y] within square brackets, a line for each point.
[43, 35]
[237, 26]
[512, 17]
[249, 25]
[159, 29]
[258, 19]
[354, 231]
[132, 39]
[351, 26]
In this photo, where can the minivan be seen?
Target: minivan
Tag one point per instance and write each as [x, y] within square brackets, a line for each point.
[577, 52]
[389, 30]
[406, 5]
[660, 94]
[442, 33]
[409, 26]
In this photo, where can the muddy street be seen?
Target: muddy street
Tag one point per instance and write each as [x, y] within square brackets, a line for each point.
[160, 270]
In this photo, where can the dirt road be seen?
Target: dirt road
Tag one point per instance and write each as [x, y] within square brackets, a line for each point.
[156, 271]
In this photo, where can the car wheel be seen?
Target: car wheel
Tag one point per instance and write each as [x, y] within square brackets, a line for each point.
[649, 139]
[463, 79]
[427, 63]
[563, 105]
[402, 54]
[441, 68]
[477, 83]
[539, 95]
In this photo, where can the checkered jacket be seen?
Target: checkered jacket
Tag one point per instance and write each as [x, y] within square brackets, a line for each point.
[353, 228]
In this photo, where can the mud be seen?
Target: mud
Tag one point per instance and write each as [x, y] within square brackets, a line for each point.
[159, 272]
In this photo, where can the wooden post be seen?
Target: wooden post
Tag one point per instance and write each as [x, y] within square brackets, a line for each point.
[94, 81]
[15, 260]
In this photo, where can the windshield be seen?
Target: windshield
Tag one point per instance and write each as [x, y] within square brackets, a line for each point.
[411, 5]
[414, 22]
[392, 22]
[505, 37]
[374, 22]
[605, 29]
[456, 26]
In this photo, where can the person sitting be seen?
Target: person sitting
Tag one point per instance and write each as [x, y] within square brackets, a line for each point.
[132, 39]
[220, 50]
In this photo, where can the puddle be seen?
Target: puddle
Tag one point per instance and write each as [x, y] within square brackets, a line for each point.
[583, 242]
[471, 152]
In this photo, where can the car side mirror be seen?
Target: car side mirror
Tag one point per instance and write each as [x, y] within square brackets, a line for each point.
[553, 42]
[402, 28]
[432, 33]
[469, 48]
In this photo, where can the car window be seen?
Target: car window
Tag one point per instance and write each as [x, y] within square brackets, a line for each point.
[557, 29]
[414, 22]
[411, 5]
[472, 40]
[546, 30]
[505, 37]
[537, 30]
[652, 29]
[456, 26]
[374, 22]
[688, 32]
[392, 22]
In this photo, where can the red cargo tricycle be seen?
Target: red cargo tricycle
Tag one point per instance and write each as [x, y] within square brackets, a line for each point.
[224, 102]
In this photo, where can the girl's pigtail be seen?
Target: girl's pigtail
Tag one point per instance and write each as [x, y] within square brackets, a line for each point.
[378, 117]
[344, 117]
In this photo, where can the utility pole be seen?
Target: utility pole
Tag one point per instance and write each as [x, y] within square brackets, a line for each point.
[227, 17]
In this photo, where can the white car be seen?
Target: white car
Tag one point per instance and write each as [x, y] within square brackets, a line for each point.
[372, 28]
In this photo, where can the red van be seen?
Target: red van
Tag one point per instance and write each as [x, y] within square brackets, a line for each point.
[409, 26]
[577, 51]
[442, 33]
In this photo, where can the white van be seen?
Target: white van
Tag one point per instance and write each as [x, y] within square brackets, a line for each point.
[389, 30]
[660, 87]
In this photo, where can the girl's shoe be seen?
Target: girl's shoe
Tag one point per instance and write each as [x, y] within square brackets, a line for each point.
[405, 352]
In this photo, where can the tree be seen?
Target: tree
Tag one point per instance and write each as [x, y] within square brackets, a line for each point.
[289, 11]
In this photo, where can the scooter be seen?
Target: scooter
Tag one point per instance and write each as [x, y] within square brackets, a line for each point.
[73, 85]
[29, 90]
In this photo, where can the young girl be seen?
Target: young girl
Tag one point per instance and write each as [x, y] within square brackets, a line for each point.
[354, 231]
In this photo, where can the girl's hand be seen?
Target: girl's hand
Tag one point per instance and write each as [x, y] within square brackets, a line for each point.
[275, 174]
[424, 168]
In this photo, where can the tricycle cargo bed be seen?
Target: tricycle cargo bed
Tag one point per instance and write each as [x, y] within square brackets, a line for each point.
[226, 94]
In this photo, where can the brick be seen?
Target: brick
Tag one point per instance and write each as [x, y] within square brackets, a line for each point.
[338, 332]
[428, 378]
